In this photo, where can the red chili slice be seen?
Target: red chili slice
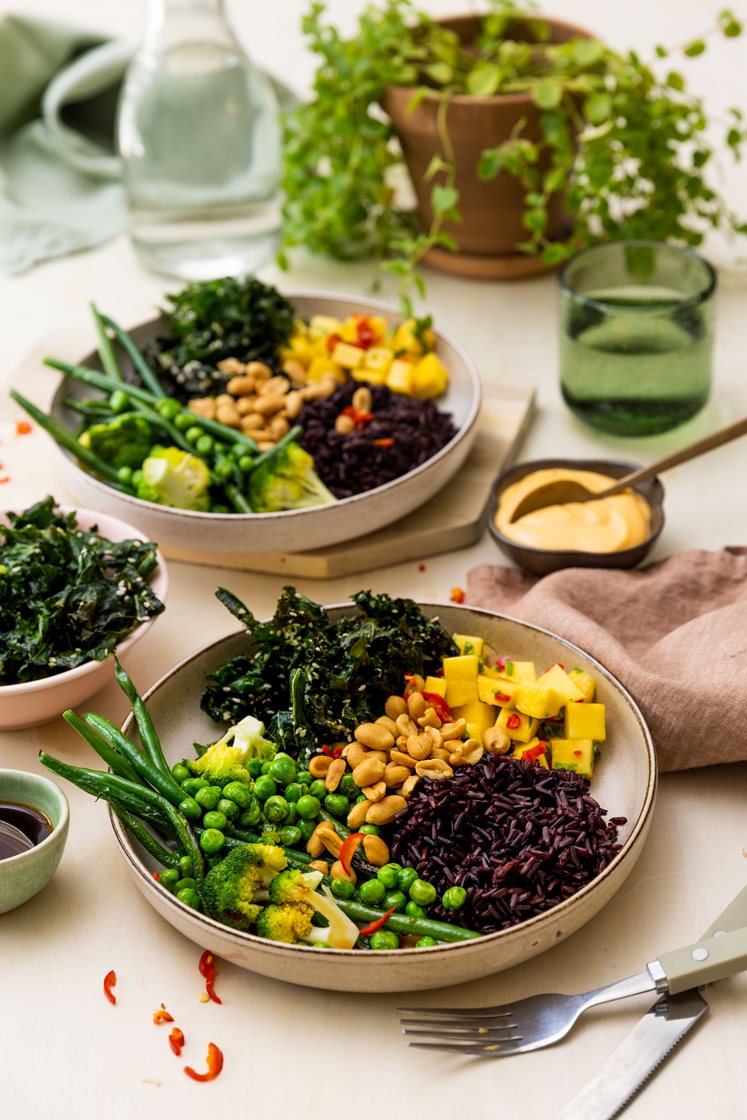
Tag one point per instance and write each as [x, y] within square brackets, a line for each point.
[365, 333]
[383, 443]
[348, 849]
[176, 1040]
[439, 705]
[214, 1063]
[502, 696]
[513, 722]
[208, 970]
[332, 340]
[457, 595]
[109, 981]
[23, 428]
[535, 752]
[162, 1016]
[378, 923]
[359, 416]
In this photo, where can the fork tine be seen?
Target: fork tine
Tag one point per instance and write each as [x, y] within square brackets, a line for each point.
[491, 1051]
[456, 1012]
[467, 1035]
[494, 1022]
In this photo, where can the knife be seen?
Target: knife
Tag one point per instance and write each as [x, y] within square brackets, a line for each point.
[611, 1087]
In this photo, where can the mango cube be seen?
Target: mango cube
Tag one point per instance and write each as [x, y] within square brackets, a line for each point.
[498, 692]
[479, 717]
[585, 683]
[585, 721]
[435, 684]
[557, 679]
[534, 700]
[407, 339]
[399, 377]
[460, 692]
[347, 356]
[430, 377]
[519, 727]
[468, 643]
[322, 325]
[573, 754]
[321, 367]
[519, 671]
[464, 667]
[370, 376]
[379, 358]
[540, 758]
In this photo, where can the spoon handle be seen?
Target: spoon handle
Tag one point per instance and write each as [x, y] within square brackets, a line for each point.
[716, 439]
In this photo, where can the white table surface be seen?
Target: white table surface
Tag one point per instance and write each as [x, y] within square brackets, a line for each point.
[67, 1053]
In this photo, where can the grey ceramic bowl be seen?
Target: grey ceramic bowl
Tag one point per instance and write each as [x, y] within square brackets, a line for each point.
[542, 561]
[625, 784]
[24, 875]
[185, 534]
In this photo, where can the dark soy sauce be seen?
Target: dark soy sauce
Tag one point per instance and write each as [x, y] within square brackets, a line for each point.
[21, 828]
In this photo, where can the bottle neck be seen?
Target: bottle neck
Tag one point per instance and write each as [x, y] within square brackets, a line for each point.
[174, 21]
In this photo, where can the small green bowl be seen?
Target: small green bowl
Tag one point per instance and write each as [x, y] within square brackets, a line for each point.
[24, 875]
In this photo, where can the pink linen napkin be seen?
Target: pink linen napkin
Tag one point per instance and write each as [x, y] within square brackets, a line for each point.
[674, 633]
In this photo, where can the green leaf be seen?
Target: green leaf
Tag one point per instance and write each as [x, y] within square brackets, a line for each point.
[548, 93]
[444, 199]
[730, 25]
[440, 73]
[675, 80]
[598, 108]
[555, 252]
[437, 164]
[483, 80]
[417, 99]
[692, 50]
[586, 52]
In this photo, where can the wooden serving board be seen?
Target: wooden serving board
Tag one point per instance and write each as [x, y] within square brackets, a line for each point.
[449, 521]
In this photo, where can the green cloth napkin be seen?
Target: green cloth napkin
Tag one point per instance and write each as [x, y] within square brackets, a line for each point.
[60, 188]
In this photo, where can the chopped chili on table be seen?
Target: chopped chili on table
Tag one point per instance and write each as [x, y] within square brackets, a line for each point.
[23, 428]
[374, 926]
[214, 1064]
[176, 1040]
[457, 595]
[109, 982]
[208, 970]
[162, 1016]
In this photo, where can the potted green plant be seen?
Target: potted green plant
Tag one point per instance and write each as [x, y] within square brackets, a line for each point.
[518, 123]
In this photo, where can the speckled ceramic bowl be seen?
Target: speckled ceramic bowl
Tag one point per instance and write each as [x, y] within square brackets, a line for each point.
[542, 561]
[36, 702]
[186, 534]
[625, 784]
[24, 875]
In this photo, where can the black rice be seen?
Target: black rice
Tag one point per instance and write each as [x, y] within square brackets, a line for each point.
[513, 865]
[412, 431]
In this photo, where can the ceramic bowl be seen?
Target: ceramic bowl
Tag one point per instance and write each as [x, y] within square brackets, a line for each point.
[24, 875]
[36, 702]
[542, 561]
[625, 784]
[186, 534]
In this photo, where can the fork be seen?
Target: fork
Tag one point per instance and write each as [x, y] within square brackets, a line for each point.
[495, 1032]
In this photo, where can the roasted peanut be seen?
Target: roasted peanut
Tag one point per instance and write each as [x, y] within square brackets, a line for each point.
[279, 427]
[496, 740]
[320, 865]
[416, 705]
[245, 407]
[385, 721]
[401, 758]
[386, 810]
[406, 725]
[409, 785]
[225, 399]
[326, 832]
[276, 385]
[418, 747]
[260, 370]
[395, 706]
[437, 769]
[264, 444]
[269, 404]
[295, 371]
[335, 773]
[444, 753]
[415, 683]
[433, 736]
[354, 753]
[228, 415]
[357, 815]
[337, 871]
[203, 406]
[231, 365]
[374, 736]
[368, 772]
[456, 756]
[252, 421]
[472, 752]
[429, 719]
[241, 386]
[362, 398]
[344, 425]
[319, 765]
[293, 404]
[376, 850]
[315, 845]
[375, 792]
[395, 775]
[454, 730]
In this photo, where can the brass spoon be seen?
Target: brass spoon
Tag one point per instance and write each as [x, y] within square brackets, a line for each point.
[562, 492]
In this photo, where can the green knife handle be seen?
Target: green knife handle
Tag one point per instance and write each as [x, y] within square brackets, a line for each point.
[733, 917]
[711, 959]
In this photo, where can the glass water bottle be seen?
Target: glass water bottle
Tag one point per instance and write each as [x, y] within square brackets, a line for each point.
[200, 141]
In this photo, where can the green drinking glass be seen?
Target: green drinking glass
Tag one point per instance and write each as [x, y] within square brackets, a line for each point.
[636, 335]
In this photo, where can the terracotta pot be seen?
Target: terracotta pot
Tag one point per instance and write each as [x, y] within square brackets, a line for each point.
[491, 211]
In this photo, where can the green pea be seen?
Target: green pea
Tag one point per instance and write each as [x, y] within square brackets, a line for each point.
[290, 836]
[396, 899]
[414, 911]
[220, 507]
[239, 793]
[180, 773]
[119, 401]
[423, 893]
[215, 820]
[348, 786]
[190, 809]
[454, 898]
[246, 462]
[228, 808]
[292, 813]
[254, 766]
[425, 943]
[223, 470]
[137, 478]
[370, 830]
[189, 897]
[406, 878]
[169, 877]
[308, 807]
[208, 796]
[124, 474]
[168, 408]
[266, 766]
[384, 939]
[337, 804]
[211, 841]
[270, 835]
[193, 433]
[294, 792]
[251, 815]
[318, 789]
[307, 828]
[185, 866]
[389, 874]
[204, 444]
[304, 778]
[191, 785]
[276, 809]
[186, 883]
[342, 888]
[371, 892]
[264, 787]
[283, 769]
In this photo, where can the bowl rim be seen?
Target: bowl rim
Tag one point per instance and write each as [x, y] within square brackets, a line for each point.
[519, 470]
[239, 937]
[58, 830]
[159, 583]
[349, 503]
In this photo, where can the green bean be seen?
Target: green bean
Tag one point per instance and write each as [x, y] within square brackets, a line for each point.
[99, 380]
[281, 443]
[139, 363]
[237, 499]
[109, 361]
[404, 924]
[111, 757]
[136, 798]
[145, 838]
[146, 769]
[148, 736]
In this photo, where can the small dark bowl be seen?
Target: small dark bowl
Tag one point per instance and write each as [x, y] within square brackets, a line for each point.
[542, 561]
